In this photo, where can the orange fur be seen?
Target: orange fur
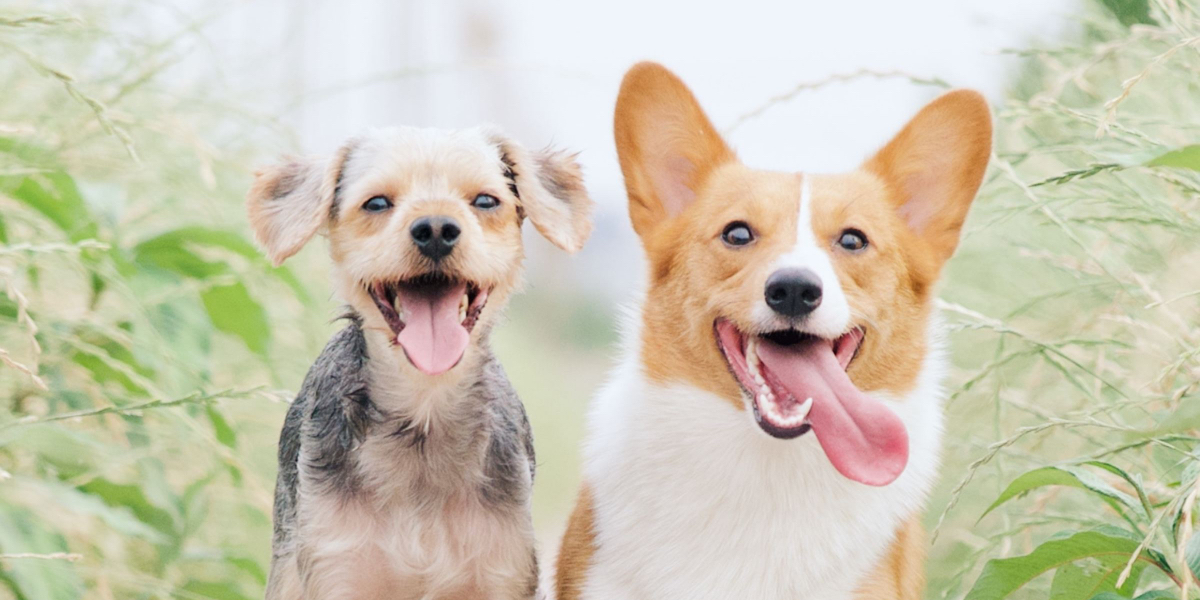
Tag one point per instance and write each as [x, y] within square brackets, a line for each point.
[578, 545]
[901, 573]
[685, 185]
[695, 279]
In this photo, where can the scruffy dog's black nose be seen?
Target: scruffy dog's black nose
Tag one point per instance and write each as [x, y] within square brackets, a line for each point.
[793, 292]
[435, 236]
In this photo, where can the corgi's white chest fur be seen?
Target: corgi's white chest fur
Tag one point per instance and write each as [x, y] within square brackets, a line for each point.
[693, 501]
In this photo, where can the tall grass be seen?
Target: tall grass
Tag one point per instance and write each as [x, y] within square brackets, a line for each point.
[143, 339]
[133, 319]
[1075, 303]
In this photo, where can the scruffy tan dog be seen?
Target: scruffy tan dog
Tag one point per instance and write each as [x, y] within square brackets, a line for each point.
[406, 461]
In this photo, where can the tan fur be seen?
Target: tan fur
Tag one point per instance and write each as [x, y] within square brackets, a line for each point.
[685, 185]
[552, 194]
[383, 544]
[467, 550]
[290, 203]
[666, 145]
[578, 545]
[901, 574]
[934, 166]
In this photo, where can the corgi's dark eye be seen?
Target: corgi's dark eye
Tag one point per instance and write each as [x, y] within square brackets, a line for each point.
[485, 202]
[377, 204]
[737, 233]
[852, 240]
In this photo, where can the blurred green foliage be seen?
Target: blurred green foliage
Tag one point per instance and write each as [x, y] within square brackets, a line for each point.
[131, 318]
[142, 336]
[1072, 468]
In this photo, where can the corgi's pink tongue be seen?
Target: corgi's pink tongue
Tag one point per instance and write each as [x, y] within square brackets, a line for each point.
[433, 336]
[863, 439]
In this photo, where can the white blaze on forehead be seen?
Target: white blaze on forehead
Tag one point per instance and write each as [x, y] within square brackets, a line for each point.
[832, 317]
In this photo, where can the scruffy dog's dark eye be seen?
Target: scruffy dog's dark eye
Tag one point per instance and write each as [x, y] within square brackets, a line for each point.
[737, 233]
[377, 204]
[853, 240]
[485, 202]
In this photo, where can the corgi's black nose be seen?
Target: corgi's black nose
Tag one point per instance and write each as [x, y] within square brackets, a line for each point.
[793, 292]
[435, 236]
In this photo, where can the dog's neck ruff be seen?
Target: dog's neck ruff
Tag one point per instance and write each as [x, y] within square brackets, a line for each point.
[401, 390]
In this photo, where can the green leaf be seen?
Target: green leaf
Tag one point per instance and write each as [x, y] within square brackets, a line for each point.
[1073, 582]
[214, 590]
[250, 567]
[1067, 475]
[118, 518]
[1130, 12]
[27, 151]
[8, 308]
[1151, 595]
[35, 579]
[179, 239]
[1105, 549]
[1087, 578]
[70, 451]
[194, 502]
[221, 428]
[179, 260]
[1156, 595]
[1191, 555]
[1187, 157]
[205, 236]
[132, 497]
[3, 231]
[56, 197]
[233, 311]
[1133, 482]
[104, 366]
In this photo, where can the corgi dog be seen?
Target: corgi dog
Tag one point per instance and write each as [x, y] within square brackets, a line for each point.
[773, 429]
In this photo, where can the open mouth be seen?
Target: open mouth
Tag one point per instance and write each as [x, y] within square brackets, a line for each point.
[431, 317]
[797, 383]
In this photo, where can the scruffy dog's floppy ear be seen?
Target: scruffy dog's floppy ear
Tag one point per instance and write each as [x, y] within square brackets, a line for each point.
[290, 202]
[549, 186]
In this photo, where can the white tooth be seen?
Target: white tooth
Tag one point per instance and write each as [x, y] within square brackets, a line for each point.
[752, 360]
[398, 306]
[463, 305]
[802, 412]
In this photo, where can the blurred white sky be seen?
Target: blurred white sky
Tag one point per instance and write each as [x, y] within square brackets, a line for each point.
[548, 71]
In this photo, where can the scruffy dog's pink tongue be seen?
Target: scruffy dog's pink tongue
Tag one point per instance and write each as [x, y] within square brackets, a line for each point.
[433, 337]
[863, 439]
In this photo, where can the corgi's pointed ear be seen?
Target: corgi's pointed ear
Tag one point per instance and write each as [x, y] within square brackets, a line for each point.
[666, 145]
[289, 202]
[935, 166]
[549, 187]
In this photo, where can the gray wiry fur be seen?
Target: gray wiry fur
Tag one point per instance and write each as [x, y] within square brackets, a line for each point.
[333, 416]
